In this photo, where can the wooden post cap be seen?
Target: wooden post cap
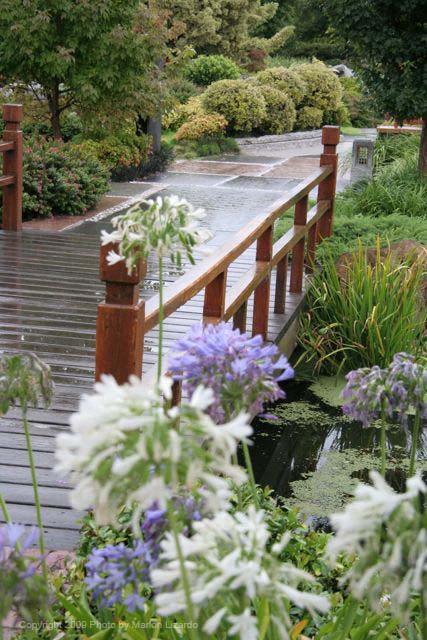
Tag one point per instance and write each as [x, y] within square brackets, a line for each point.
[118, 272]
[331, 135]
[12, 112]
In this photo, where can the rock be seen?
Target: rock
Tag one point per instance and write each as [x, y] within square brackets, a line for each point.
[342, 71]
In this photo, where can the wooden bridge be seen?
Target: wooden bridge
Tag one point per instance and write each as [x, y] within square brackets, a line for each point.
[53, 303]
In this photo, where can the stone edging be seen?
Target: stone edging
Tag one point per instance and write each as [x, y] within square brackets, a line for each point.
[285, 137]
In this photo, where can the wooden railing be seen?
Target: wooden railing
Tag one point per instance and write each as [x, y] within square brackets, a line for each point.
[11, 180]
[123, 319]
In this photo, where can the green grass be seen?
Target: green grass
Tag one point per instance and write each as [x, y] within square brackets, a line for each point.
[350, 131]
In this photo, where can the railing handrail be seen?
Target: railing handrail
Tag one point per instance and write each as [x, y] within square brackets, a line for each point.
[124, 319]
[203, 273]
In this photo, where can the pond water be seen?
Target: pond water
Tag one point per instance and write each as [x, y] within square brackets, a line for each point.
[314, 455]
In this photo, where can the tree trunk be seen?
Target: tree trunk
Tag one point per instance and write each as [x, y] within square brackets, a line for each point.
[55, 111]
[422, 160]
[154, 129]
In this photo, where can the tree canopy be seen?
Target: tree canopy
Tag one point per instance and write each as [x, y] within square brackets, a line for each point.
[387, 43]
[225, 26]
[77, 53]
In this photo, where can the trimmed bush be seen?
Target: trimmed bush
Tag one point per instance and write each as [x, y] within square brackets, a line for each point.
[176, 117]
[309, 118]
[241, 103]
[207, 146]
[113, 152]
[286, 80]
[152, 163]
[205, 70]
[60, 180]
[205, 126]
[323, 88]
[340, 116]
[280, 111]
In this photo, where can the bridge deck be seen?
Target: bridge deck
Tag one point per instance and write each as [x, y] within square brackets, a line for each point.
[49, 291]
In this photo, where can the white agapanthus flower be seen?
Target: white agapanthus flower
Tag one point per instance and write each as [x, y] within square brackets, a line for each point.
[127, 447]
[170, 226]
[228, 566]
[387, 532]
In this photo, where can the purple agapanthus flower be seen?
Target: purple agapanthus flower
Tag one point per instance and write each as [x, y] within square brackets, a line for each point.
[243, 372]
[407, 386]
[365, 394]
[114, 574]
[390, 392]
[21, 589]
[118, 574]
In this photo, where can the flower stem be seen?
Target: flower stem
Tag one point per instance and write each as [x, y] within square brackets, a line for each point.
[423, 611]
[161, 315]
[250, 471]
[383, 442]
[4, 509]
[415, 435]
[383, 449]
[36, 493]
[184, 575]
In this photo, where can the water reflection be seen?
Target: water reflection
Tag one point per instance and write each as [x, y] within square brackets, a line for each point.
[287, 450]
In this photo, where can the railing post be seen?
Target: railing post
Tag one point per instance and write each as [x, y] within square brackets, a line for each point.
[12, 166]
[311, 248]
[326, 191]
[214, 303]
[264, 253]
[297, 267]
[281, 284]
[240, 318]
[120, 322]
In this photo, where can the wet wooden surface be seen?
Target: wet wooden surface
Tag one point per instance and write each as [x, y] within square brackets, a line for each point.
[49, 292]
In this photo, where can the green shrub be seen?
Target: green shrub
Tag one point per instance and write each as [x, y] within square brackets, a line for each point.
[174, 118]
[181, 89]
[396, 188]
[280, 111]
[205, 70]
[61, 180]
[286, 80]
[389, 148]
[358, 103]
[241, 103]
[309, 118]
[71, 125]
[204, 126]
[349, 228]
[323, 88]
[114, 151]
[152, 163]
[207, 146]
[338, 116]
[365, 317]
